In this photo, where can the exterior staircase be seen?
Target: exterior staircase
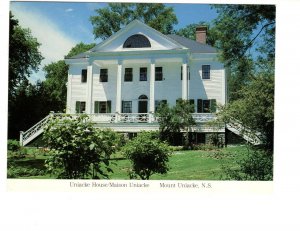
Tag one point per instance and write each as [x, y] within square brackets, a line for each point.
[33, 132]
[247, 135]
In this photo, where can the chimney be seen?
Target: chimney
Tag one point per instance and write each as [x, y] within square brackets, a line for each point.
[201, 34]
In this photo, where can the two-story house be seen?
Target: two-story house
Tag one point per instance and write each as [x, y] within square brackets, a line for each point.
[121, 81]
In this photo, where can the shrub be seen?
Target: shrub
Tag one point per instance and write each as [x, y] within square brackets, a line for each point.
[77, 149]
[148, 155]
[257, 165]
[13, 145]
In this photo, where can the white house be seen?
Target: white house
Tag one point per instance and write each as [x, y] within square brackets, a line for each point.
[121, 81]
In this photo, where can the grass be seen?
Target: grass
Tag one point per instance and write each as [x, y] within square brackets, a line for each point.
[184, 165]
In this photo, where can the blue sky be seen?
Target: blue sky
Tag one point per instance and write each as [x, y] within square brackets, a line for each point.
[59, 26]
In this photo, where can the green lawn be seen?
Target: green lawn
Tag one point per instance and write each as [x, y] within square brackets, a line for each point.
[184, 165]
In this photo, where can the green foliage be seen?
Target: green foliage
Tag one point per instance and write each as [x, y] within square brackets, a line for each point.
[245, 37]
[257, 165]
[17, 172]
[78, 150]
[216, 140]
[173, 120]
[255, 109]
[24, 55]
[13, 145]
[112, 18]
[80, 48]
[147, 154]
[189, 32]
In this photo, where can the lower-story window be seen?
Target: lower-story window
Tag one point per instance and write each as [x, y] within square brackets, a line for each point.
[80, 106]
[102, 107]
[126, 107]
[206, 106]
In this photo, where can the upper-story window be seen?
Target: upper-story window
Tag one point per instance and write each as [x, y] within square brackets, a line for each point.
[205, 71]
[158, 73]
[83, 75]
[128, 75]
[103, 75]
[137, 41]
[143, 74]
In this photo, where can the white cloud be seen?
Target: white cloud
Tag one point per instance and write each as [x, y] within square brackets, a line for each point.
[69, 10]
[55, 43]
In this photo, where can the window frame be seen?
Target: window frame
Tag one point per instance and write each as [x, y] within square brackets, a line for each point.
[103, 76]
[143, 75]
[83, 75]
[158, 74]
[128, 107]
[81, 108]
[212, 106]
[128, 77]
[206, 73]
[97, 107]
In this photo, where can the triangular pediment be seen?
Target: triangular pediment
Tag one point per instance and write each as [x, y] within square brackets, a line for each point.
[137, 36]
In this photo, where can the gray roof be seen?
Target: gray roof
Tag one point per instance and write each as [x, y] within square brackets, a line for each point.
[194, 46]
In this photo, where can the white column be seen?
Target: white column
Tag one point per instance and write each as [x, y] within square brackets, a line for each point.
[184, 81]
[89, 101]
[69, 95]
[152, 84]
[119, 87]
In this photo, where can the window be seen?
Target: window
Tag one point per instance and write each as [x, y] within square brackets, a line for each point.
[143, 74]
[126, 107]
[80, 106]
[206, 106]
[137, 41]
[83, 75]
[102, 107]
[205, 71]
[158, 73]
[158, 103]
[103, 75]
[128, 75]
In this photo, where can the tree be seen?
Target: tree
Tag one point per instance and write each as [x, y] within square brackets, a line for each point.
[189, 32]
[173, 120]
[245, 37]
[147, 154]
[116, 15]
[24, 55]
[78, 150]
[255, 109]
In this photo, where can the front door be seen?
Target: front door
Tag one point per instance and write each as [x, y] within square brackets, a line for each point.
[143, 108]
[143, 104]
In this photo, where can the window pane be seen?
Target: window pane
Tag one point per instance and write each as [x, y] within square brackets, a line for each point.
[128, 75]
[103, 75]
[206, 106]
[158, 74]
[199, 106]
[143, 74]
[126, 107]
[205, 71]
[83, 75]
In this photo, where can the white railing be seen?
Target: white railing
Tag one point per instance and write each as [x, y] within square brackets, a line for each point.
[203, 117]
[37, 129]
[31, 133]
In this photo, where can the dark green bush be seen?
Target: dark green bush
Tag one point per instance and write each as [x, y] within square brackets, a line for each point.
[13, 145]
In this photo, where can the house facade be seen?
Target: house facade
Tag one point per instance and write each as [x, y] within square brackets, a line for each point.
[121, 81]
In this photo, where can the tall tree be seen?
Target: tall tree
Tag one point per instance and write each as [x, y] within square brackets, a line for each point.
[24, 57]
[246, 40]
[24, 54]
[116, 15]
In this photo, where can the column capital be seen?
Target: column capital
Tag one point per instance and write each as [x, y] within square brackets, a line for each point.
[120, 61]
